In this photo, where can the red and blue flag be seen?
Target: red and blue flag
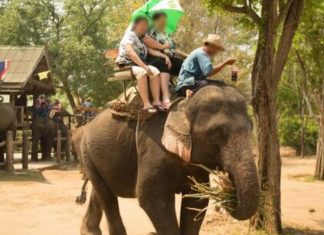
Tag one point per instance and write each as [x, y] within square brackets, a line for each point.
[4, 66]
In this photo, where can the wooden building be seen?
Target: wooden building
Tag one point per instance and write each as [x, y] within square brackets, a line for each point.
[25, 76]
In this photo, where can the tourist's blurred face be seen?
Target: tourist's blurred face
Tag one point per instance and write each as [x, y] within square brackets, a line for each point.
[212, 50]
[141, 27]
[161, 23]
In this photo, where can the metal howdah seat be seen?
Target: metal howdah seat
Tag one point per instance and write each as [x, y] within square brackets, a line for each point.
[125, 74]
[120, 74]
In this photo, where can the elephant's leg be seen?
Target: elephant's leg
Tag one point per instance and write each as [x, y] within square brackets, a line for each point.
[43, 148]
[92, 218]
[190, 224]
[35, 148]
[46, 149]
[108, 201]
[1, 154]
[160, 207]
[190, 221]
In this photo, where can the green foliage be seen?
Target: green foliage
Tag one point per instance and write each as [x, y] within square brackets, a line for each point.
[225, 7]
[197, 23]
[290, 132]
[76, 33]
[301, 86]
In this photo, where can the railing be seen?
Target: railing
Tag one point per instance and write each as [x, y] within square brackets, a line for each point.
[10, 145]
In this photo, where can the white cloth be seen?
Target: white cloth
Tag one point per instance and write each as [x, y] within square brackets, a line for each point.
[139, 72]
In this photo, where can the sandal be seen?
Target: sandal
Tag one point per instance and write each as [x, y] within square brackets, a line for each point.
[160, 108]
[150, 110]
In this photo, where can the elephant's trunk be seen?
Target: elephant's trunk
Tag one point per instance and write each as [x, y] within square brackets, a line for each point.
[239, 163]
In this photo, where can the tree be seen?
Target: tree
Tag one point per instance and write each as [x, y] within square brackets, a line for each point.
[76, 33]
[277, 22]
[308, 55]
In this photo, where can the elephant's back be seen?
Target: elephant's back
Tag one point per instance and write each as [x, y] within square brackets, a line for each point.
[111, 145]
[7, 116]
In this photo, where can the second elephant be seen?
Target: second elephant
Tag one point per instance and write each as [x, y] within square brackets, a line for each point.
[45, 132]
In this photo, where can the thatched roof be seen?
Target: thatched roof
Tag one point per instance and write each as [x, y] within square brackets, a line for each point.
[25, 65]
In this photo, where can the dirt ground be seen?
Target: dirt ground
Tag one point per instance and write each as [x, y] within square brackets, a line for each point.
[39, 203]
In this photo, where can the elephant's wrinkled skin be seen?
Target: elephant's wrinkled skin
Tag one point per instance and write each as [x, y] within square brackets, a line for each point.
[76, 138]
[45, 131]
[216, 124]
[7, 123]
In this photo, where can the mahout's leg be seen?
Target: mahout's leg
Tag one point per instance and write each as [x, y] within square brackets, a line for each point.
[190, 221]
[91, 220]
[159, 204]
[108, 200]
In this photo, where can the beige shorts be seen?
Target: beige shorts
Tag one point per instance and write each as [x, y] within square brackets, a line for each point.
[139, 72]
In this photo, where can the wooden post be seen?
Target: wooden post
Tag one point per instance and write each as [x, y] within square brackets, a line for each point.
[9, 152]
[25, 150]
[68, 146]
[69, 120]
[12, 99]
[59, 146]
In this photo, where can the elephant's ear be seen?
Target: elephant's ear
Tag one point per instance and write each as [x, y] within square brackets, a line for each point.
[176, 136]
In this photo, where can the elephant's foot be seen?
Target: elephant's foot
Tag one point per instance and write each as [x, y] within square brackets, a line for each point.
[87, 231]
[46, 159]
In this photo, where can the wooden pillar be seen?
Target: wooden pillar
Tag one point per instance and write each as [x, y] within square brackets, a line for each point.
[25, 149]
[9, 166]
[13, 99]
[68, 146]
[59, 146]
[69, 120]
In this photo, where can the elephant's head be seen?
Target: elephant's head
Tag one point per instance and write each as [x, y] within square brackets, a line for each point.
[213, 128]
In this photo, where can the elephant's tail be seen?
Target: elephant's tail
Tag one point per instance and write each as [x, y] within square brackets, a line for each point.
[82, 198]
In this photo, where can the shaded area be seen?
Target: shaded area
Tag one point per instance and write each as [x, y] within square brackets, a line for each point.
[23, 176]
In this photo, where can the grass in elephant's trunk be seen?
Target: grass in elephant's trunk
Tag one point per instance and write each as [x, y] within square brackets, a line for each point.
[220, 191]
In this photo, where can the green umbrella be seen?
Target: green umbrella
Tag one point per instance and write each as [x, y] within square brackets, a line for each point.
[171, 7]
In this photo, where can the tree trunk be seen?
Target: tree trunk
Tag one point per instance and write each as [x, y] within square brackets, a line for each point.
[319, 169]
[304, 121]
[264, 85]
[268, 66]
[269, 162]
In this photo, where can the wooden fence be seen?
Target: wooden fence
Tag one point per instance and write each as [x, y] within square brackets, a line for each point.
[59, 140]
[10, 145]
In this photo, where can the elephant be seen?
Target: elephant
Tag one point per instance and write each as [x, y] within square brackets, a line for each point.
[151, 161]
[45, 132]
[7, 123]
[76, 138]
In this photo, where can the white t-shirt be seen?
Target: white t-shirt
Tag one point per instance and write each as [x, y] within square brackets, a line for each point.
[130, 38]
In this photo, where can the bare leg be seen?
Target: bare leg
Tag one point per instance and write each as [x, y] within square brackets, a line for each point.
[155, 89]
[91, 220]
[165, 79]
[143, 91]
